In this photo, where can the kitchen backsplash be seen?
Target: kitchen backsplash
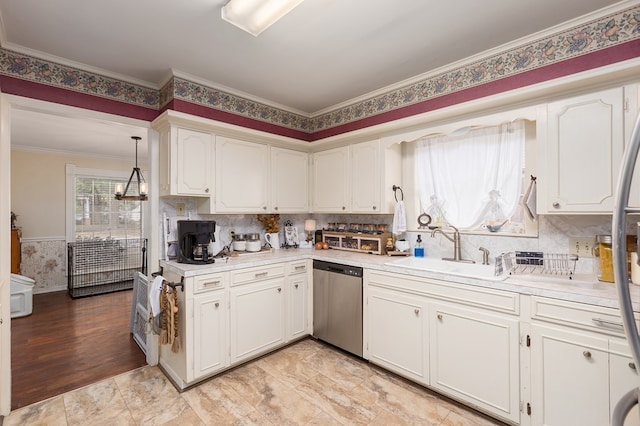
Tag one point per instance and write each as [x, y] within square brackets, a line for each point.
[553, 232]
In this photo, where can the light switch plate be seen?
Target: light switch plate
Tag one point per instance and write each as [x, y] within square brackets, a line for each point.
[179, 209]
[582, 246]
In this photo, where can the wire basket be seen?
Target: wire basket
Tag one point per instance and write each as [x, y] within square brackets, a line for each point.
[528, 262]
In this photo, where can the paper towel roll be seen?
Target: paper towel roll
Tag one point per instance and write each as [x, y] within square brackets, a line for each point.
[635, 269]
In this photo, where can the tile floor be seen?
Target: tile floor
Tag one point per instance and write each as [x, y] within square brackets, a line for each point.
[307, 383]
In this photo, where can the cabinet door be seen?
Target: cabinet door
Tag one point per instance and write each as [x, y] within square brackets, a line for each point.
[298, 312]
[623, 376]
[365, 177]
[242, 176]
[474, 356]
[210, 333]
[584, 152]
[289, 181]
[194, 162]
[397, 333]
[257, 318]
[331, 183]
[570, 378]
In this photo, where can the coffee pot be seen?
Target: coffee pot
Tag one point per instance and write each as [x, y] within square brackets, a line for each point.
[194, 237]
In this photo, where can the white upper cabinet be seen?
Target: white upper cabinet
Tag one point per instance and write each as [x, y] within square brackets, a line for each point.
[289, 181]
[242, 176]
[580, 160]
[186, 162]
[331, 180]
[365, 177]
[356, 178]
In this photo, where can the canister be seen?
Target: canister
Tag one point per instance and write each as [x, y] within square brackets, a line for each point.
[604, 258]
[239, 242]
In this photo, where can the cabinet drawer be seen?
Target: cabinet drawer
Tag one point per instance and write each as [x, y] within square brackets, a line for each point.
[209, 282]
[298, 267]
[579, 315]
[496, 300]
[254, 274]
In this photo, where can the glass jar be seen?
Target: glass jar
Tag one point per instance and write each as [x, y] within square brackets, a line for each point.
[604, 258]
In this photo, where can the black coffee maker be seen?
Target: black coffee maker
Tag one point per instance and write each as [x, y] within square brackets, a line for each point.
[194, 237]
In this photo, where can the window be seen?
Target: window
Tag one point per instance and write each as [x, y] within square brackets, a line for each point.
[475, 179]
[93, 211]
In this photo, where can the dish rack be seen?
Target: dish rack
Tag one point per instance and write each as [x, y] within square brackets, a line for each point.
[533, 262]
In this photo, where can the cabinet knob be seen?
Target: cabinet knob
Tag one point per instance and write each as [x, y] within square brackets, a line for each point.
[279, 289]
[276, 208]
[216, 304]
[586, 354]
[374, 207]
[556, 205]
[416, 311]
[296, 286]
[206, 190]
[440, 317]
[344, 208]
[264, 207]
[632, 365]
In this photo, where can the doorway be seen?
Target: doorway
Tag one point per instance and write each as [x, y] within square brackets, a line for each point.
[42, 128]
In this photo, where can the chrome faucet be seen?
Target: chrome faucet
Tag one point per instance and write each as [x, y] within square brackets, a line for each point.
[485, 255]
[455, 239]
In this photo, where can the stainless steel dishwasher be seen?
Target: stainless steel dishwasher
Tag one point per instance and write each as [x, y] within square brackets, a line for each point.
[337, 305]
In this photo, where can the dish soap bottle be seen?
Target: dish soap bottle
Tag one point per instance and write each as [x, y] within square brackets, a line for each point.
[418, 251]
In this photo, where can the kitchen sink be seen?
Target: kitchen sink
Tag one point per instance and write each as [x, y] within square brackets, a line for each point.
[461, 269]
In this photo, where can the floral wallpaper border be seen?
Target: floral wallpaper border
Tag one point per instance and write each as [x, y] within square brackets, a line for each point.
[602, 33]
[37, 70]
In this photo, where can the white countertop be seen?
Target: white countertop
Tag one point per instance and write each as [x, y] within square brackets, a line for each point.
[582, 288]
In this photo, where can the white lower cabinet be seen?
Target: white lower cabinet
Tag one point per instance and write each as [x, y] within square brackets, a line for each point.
[298, 300]
[474, 355]
[457, 339]
[202, 329]
[210, 335]
[398, 333]
[257, 318]
[623, 376]
[570, 377]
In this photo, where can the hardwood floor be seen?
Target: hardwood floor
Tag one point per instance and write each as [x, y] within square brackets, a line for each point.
[69, 343]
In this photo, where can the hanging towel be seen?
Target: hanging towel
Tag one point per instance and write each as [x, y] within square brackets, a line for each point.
[399, 219]
[529, 199]
[154, 300]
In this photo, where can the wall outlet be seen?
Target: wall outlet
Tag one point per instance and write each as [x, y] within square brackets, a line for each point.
[582, 246]
[179, 209]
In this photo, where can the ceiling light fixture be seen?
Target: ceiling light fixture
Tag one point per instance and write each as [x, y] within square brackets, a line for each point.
[142, 185]
[255, 16]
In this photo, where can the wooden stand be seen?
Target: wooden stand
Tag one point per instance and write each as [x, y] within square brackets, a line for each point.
[16, 250]
[360, 242]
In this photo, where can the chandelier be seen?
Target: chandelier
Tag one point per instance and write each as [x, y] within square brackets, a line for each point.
[142, 185]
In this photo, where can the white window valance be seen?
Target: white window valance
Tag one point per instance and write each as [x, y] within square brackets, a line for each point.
[474, 178]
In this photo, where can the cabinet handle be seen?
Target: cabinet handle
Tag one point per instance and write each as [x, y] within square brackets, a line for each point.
[261, 274]
[608, 323]
[440, 317]
[279, 289]
[296, 286]
[207, 284]
[556, 205]
[416, 311]
[586, 354]
[300, 267]
[216, 304]
[632, 365]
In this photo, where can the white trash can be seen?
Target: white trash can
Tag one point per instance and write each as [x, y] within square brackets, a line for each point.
[21, 296]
